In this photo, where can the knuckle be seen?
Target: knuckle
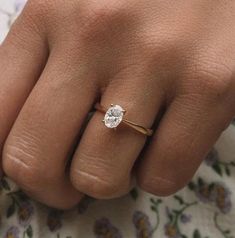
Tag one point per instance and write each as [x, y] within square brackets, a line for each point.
[159, 186]
[94, 179]
[97, 186]
[18, 163]
[27, 32]
[158, 44]
[92, 175]
[34, 17]
[98, 18]
[212, 78]
[18, 171]
[106, 9]
[39, 8]
[47, 16]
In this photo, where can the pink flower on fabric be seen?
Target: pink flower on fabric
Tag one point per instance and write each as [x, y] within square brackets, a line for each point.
[171, 231]
[12, 232]
[104, 229]
[25, 213]
[142, 225]
[54, 221]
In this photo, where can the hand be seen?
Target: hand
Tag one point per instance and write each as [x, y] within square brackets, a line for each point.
[61, 57]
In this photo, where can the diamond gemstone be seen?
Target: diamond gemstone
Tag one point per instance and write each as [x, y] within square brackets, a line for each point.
[113, 116]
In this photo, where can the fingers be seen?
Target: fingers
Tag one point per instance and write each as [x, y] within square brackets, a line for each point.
[104, 159]
[186, 133]
[22, 58]
[36, 151]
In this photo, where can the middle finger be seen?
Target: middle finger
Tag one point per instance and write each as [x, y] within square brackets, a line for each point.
[36, 151]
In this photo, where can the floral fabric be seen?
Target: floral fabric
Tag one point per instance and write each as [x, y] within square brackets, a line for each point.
[203, 209]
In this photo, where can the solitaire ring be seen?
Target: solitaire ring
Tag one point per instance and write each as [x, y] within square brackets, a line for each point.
[114, 115]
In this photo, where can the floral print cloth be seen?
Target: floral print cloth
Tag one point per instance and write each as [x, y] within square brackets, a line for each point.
[203, 209]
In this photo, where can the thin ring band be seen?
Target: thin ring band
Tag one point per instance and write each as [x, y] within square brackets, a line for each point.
[135, 126]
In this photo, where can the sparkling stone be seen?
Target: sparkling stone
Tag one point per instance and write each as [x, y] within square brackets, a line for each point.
[113, 116]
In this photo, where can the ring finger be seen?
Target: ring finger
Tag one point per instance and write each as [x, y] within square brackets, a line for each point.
[103, 161]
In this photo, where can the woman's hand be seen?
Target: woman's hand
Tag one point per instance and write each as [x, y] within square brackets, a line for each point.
[61, 57]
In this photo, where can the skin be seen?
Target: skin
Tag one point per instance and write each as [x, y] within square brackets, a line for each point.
[173, 60]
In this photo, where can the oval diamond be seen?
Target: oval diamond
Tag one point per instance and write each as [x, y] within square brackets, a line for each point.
[113, 116]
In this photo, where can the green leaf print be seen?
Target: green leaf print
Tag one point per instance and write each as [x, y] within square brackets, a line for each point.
[134, 194]
[196, 234]
[4, 184]
[11, 210]
[217, 169]
[29, 232]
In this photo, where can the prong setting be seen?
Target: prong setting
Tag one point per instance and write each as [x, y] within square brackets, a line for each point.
[114, 116]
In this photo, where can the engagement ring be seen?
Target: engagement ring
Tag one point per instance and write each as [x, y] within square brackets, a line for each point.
[115, 115]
